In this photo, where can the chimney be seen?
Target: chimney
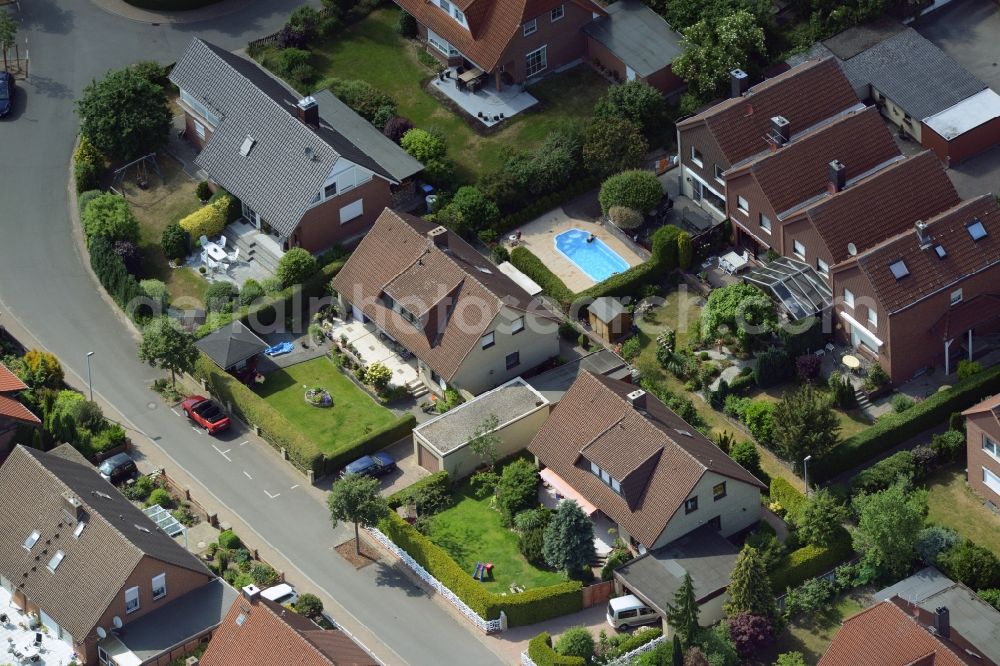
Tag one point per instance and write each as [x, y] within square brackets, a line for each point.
[251, 592]
[838, 176]
[923, 237]
[439, 237]
[739, 82]
[637, 399]
[780, 130]
[942, 622]
[307, 111]
[73, 508]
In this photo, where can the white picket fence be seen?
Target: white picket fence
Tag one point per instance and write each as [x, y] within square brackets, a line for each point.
[623, 660]
[488, 626]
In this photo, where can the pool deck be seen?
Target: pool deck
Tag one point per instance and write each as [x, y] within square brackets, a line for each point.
[539, 237]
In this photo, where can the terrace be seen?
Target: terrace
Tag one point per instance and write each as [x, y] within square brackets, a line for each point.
[483, 102]
[19, 635]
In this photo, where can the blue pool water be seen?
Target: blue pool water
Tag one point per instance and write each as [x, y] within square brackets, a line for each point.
[595, 258]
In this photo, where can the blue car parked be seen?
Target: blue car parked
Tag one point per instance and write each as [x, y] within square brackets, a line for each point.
[376, 465]
[6, 93]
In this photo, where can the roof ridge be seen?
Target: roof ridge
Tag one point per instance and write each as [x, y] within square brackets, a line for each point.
[944, 642]
[301, 634]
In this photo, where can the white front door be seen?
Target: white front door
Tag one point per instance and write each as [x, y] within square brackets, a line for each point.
[358, 315]
[251, 215]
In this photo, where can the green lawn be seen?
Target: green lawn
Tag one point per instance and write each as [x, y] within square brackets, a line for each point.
[372, 50]
[471, 532]
[952, 503]
[812, 635]
[353, 414]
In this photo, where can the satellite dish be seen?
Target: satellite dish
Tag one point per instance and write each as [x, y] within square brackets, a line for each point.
[852, 249]
[117, 621]
[101, 633]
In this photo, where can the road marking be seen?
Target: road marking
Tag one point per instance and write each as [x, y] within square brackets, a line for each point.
[176, 413]
[247, 475]
[223, 453]
[272, 496]
[196, 430]
[294, 487]
[246, 441]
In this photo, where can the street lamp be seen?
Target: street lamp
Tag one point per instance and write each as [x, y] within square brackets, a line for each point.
[90, 380]
[805, 472]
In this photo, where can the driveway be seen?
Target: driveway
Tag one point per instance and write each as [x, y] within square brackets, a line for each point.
[44, 285]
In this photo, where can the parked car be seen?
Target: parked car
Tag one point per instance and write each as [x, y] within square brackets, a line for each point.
[6, 93]
[205, 413]
[628, 611]
[281, 594]
[378, 464]
[118, 468]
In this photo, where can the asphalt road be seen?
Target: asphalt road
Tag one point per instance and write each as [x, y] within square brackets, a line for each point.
[44, 285]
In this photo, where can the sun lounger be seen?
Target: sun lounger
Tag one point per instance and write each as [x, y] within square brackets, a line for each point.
[279, 349]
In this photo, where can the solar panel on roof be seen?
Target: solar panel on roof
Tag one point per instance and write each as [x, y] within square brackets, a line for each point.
[899, 269]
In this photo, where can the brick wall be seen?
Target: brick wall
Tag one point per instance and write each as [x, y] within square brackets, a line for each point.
[564, 39]
[320, 227]
[978, 425]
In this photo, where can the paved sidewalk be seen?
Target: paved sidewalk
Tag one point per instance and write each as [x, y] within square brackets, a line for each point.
[207, 13]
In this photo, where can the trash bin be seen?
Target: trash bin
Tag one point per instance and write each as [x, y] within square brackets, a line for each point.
[430, 200]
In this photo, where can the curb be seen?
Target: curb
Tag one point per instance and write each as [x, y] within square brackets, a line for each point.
[216, 10]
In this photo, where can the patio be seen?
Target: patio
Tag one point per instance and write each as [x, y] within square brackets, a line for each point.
[481, 100]
[52, 652]
[605, 532]
[372, 347]
[223, 264]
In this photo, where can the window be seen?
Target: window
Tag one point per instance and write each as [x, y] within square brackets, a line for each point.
[691, 504]
[625, 614]
[696, 156]
[558, 13]
[352, 211]
[530, 27]
[872, 318]
[330, 190]
[131, 600]
[159, 586]
[799, 249]
[487, 340]
[719, 491]
[440, 44]
[765, 223]
[199, 129]
[899, 269]
[459, 16]
[595, 469]
[32, 539]
[822, 267]
[743, 205]
[956, 297]
[56, 560]
[78, 530]
[848, 298]
[941, 252]
[513, 360]
[977, 230]
[517, 326]
[716, 523]
[991, 447]
[445, 5]
[536, 61]
[991, 480]
[615, 485]
[718, 174]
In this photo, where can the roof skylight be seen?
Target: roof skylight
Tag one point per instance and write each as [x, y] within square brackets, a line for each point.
[56, 560]
[899, 269]
[941, 252]
[32, 539]
[79, 529]
[248, 144]
[977, 230]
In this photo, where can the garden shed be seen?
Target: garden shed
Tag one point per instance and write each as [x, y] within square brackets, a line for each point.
[233, 348]
[609, 318]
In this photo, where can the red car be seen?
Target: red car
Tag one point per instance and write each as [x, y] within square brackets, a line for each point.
[205, 413]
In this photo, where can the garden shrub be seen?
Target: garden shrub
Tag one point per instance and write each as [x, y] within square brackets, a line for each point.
[517, 490]
[948, 446]
[88, 164]
[406, 25]
[156, 291]
[624, 217]
[746, 454]
[526, 262]
[112, 274]
[685, 251]
[110, 437]
[933, 540]
[110, 217]
[362, 97]
[203, 191]
[616, 558]
[967, 368]
[250, 292]
[530, 519]
[808, 366]
[576, 642]
[771, 366]
[876, 378]
[638, 189]
[740, 309]
[530, 543]
[971, 565]
[637, 102]
[228, 540]
[611, 145]
[990, 596]
[631, 348]
[220, 294]
[811, 561]
[263, 574]
[625, 643]
[541, 653]
[884, 473]
[901, 402]
[86, 197]
[396, 128]
[787, 497]
[409, 495]
[295, 266]
[161, 497]
[378, 375]
[499, 254]
[423, 145]
[383, 116]
[472, 204]
[130, 255]
[893, 429]
[175, 242]
[209, 220]
[844, 396]
[230, 204]
[759, 419]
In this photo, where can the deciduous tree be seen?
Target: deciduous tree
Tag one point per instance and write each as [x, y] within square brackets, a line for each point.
[125, 115]
[715, 46]
[356, 498]
[888, 525]
[165, 345]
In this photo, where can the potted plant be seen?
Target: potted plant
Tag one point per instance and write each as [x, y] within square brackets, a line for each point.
[877, 383]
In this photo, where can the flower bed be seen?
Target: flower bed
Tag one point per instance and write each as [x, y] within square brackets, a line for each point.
[319, 397]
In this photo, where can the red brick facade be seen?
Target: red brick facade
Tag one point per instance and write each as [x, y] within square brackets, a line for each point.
[320, 227]
[963, 146]
[982, 428]
[564, 42]
[663, 80]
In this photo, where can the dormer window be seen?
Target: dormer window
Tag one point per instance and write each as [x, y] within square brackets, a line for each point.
[32, 539]
[606, 477]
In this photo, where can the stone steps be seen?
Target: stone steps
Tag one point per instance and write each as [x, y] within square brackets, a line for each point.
[251, 250]
[862, 399]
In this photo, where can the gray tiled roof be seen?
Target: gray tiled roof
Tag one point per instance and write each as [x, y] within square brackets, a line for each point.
[231, 344]
[914, 73]
[637, 35]
[278, 179]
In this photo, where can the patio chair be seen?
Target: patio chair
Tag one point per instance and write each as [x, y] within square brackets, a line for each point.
[222, 242]
[234, 256]
[38, 638]
[203, 240]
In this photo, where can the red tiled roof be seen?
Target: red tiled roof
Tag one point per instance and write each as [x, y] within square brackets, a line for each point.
[928, 272]
[656, 456]
[271, 634]
[883, 204]
[978, 310]
[9, 382]
[492, 23]
[12, 409]
[991, 404]
[885, 635]
[800, 169]
[804, 95]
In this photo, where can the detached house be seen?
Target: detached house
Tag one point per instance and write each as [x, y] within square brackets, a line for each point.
[309, 171]
[470, 326]
[13, 414]
[982, 432]
[673, 495]
[81, 560]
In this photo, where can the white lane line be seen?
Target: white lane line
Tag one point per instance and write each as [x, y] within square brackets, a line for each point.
[223, 453]
[176, 413]
[247, 475]
[246, 441]
[272, 496]
[196, 430]
[294, 487]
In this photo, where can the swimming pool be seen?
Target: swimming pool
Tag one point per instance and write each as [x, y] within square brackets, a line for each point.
[595, 259]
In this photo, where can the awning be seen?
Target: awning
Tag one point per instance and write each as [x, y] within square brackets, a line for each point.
[566, 490]
[800, 289]
[861, 330]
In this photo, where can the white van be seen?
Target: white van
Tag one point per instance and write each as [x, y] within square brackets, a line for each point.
[281, 594]
[628, 611]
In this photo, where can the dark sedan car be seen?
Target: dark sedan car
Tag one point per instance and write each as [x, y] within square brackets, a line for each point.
[6, 93]
[205, 413]
[377, 464]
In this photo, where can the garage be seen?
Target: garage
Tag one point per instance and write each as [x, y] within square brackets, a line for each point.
[427, 460]
[965, 129]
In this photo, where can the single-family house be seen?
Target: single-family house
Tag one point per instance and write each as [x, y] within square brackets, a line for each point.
[982, 433]
[925, 620]
[670, 492]
[309, 171]
[470, 326]
[259, 632]
[752, 121]
[81, 560]
[13, 415]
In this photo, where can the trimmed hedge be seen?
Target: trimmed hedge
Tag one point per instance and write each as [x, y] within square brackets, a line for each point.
[528, 607]
[544, 204]
[811, 561]
[209, 220]
[406, 495]
[541, 652]
[374, 441]
[893, 429]
[526, 262]
[787, 496]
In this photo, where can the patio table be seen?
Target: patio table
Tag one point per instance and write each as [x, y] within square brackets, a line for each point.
[852, 362]
[470, 75]
[215, 252]
[733, 261]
